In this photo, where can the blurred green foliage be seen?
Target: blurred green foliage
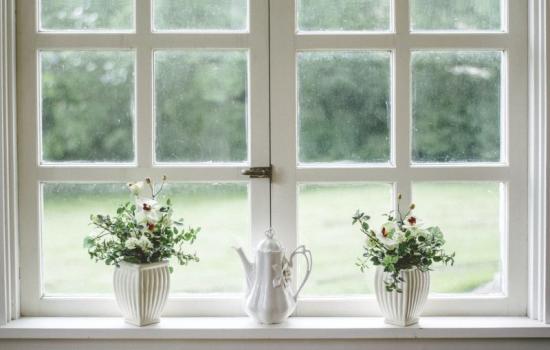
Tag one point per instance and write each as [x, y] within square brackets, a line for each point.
[456, 106]
[456, 14]
[344, 104]
[355, 15]
[201, 97]
[468, 214]
[200, 14]
[87, 14]
[201, 106]
[87, 105]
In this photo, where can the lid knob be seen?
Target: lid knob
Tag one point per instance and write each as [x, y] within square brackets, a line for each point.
[269, 233]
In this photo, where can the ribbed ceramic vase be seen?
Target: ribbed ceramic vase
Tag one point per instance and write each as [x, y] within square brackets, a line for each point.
[141, 291]
[402, 309]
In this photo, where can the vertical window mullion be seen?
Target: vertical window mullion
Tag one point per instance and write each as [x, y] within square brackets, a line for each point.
[283, 121]
[144, 87]
[516, 111]
[258, 116]
[401, 100]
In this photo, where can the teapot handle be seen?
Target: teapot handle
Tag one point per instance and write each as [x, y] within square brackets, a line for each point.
[309, 261]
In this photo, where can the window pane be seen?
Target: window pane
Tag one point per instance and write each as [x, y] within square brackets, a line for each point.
[87, 106]
[201, 106]
[469, 216]
[456, 106]
[87, 15]
[324, 226]
[456, 15]
[223, 213]
[220, 209]
[201, 14]
[344, 15]
[344, 107]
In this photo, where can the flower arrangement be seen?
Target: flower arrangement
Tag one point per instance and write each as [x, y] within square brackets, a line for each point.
[401, 244]
[140, 232]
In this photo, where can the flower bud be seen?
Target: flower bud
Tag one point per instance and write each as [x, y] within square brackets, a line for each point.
[412, 206]
[399, 196]
[148, 180]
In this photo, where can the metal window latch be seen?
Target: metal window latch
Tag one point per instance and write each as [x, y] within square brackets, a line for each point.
[258, 172]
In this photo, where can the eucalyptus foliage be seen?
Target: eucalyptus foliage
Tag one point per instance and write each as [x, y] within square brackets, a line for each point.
[140, 232]
[401, 244]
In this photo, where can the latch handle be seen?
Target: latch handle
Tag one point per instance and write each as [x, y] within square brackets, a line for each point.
[258, 172]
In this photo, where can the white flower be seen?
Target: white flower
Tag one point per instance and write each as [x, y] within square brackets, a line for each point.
[147, 211]
[389, 235]
[131, 243]
[144, 243]
[389, 242]
[136, 187]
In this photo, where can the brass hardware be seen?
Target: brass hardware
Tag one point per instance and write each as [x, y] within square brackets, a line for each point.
[258, 172]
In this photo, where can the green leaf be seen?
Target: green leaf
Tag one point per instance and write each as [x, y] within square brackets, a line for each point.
[89, 242]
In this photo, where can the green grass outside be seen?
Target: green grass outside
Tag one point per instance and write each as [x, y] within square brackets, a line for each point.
[467, 213]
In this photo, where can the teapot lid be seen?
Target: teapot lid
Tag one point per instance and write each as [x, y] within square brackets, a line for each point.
[270, 244]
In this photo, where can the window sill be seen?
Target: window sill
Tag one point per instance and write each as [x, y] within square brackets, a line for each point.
[294, 328]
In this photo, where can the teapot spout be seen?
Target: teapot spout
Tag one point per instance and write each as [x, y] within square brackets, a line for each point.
[248, 266]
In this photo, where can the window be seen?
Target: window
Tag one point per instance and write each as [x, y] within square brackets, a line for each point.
[423, 98]
[128, 89]
[351, 101]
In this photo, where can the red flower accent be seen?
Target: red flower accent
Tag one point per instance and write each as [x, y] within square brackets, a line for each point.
[150, 226]
[411, 220]
[147, 207]
[384, 232]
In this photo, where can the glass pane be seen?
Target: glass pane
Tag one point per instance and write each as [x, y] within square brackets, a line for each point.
[87, 106]
[469, 216]
[201, 106]
[456, 106]
[344, 107]
[223, 213]
[201, 14]
[456, 15]
[324, 226]
[87, 15]
[344, 15]
[220, 209]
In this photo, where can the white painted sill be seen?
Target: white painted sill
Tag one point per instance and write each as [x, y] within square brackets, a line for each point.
[294, 328]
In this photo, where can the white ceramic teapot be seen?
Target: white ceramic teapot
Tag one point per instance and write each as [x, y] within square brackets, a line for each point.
[269, 295]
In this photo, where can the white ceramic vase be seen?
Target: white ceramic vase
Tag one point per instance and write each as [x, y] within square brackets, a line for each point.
[141, 291]
[402, 309]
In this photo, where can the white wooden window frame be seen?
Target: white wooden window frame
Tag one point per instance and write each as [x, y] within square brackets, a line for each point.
[144, 41]
[285, 177]
[287, 41]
